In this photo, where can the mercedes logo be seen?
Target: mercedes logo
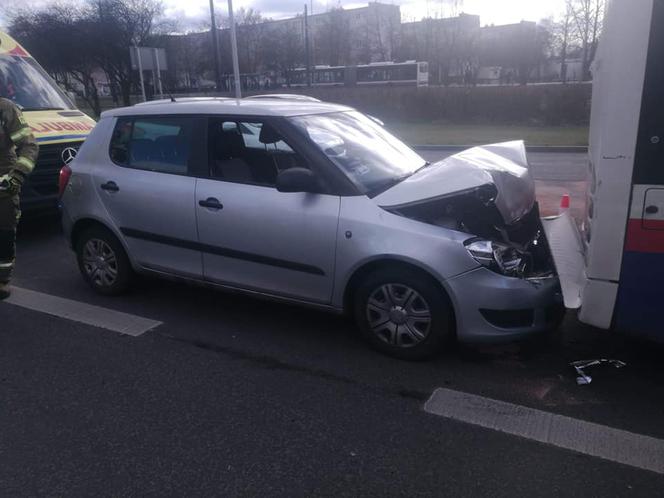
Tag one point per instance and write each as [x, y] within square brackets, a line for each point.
[68, 154]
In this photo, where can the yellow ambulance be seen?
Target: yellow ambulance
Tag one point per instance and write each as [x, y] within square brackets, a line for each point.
[58, 126]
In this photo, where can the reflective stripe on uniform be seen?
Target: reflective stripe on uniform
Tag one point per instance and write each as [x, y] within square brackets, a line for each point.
[26, 163]
[21, 134]
[6, 270]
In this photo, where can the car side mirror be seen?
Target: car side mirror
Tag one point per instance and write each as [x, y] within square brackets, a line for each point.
[297, 180]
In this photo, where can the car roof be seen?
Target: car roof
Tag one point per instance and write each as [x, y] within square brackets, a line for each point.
[180, 100]
[222, 106]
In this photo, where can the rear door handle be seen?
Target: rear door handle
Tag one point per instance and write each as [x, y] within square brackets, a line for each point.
[110, 187]
[211, 203]
[652, 210]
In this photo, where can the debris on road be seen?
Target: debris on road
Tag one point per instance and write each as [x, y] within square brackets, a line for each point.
[585, 379]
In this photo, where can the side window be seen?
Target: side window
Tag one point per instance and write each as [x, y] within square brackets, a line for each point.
[160, 144]
[251, 152]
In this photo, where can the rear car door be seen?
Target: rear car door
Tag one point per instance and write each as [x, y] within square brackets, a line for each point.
[253, 236]
[149, 194]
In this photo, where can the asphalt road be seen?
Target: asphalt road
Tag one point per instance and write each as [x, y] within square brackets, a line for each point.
[233, 396]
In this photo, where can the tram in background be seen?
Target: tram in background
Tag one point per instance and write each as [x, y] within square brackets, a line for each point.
[377, 73]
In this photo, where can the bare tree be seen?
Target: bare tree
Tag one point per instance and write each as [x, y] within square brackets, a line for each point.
[250, 35]
[333, 38]
[188, 59]
[122, 24]
[450, 42]
[587, 17]
[74, 41]
[563, 39]
[282, 50]
[544, 48]
[64, 40]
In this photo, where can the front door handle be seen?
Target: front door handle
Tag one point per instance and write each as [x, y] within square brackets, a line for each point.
[652, 210]
[211, 203]
[110, 187]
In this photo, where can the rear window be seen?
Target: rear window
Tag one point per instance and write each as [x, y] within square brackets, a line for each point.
[161, 144]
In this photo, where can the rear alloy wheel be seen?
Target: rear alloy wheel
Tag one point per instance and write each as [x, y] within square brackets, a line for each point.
[103, 261]
[403, 313]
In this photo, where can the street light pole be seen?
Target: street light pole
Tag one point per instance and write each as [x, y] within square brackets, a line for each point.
[215, 45]
[140, 70]
[236, 65]
[306, 44]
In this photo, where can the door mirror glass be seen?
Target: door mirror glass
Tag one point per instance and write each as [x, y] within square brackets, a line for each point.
[297, 180]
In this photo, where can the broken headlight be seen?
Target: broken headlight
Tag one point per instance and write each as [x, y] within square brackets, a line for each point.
[499, 257]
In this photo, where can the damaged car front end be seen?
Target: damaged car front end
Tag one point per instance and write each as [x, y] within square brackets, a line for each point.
[487, 193]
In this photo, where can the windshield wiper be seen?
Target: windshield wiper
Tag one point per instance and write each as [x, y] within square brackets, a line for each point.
[386, 185]
[391, 182]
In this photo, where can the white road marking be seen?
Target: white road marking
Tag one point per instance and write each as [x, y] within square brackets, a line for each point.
[628, 448]
[76, 311]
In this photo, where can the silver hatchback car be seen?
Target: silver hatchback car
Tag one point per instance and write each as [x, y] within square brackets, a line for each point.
[315, 203]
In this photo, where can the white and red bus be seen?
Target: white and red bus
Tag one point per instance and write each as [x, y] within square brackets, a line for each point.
[613, 269]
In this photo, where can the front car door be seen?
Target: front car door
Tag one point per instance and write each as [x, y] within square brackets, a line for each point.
[253, 236]
[149, 194]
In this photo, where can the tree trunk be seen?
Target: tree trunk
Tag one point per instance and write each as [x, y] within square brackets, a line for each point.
[563, 53]
[586, 62]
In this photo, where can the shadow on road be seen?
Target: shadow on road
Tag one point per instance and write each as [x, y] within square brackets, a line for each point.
[280, 336]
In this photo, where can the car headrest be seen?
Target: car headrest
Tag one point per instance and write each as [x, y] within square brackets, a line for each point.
[229, 144]
[268, 135]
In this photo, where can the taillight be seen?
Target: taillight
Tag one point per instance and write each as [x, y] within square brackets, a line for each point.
[63, 180]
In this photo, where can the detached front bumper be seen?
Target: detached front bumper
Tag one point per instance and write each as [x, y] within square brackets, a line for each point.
[493, 308]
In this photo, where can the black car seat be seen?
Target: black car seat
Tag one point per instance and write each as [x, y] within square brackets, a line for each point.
[142, 150]
[282, 159]
[229, 163]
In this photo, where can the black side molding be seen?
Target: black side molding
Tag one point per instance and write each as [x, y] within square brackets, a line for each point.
[221, 251]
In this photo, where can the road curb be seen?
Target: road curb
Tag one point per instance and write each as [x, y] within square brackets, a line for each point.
[530, 148]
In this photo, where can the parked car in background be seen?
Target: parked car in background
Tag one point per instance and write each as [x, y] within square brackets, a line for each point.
[56, 123]
[317, 204]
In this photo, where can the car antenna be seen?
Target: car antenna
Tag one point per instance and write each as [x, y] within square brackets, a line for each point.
[168, 91]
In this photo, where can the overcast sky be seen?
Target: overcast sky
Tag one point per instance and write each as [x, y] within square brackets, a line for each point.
[490, 11]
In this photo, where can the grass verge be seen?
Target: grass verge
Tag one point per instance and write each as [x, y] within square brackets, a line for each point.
[437, 133]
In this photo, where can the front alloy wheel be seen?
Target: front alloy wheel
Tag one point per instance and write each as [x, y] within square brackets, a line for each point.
[398, 315]
[403, 312]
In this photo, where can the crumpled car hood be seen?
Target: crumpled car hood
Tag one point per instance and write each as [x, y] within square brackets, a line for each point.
[502, 165]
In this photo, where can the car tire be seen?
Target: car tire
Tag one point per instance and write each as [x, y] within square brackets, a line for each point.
[403, 313]
[103, 262]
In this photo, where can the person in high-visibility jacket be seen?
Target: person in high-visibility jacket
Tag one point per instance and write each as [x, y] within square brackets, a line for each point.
[18, 155]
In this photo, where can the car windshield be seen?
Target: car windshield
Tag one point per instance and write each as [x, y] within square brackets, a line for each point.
[373, 159]
[25, 83]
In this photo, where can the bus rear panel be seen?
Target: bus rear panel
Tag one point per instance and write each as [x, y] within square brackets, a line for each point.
[641, 286]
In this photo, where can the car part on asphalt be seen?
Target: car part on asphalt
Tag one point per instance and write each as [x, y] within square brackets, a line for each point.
[580, 365]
